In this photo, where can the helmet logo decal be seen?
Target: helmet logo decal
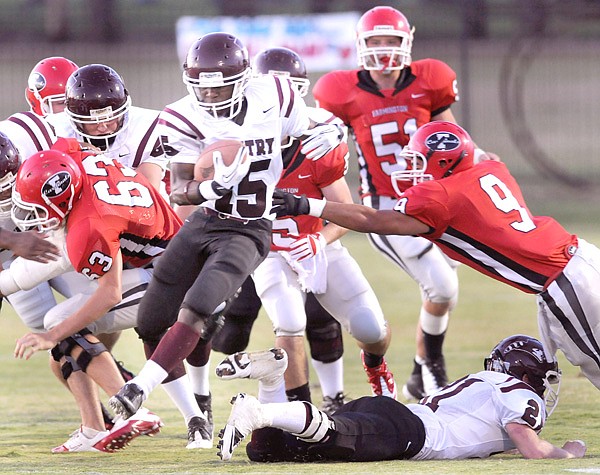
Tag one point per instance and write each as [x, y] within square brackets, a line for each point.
[56, 185]
[100, 114]
[36, 82]
[442, 142]
[211, 79]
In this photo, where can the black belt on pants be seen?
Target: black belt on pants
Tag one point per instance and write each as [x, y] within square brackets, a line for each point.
[218, 214]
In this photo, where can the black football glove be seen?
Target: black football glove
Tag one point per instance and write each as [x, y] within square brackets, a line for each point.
[288, 204]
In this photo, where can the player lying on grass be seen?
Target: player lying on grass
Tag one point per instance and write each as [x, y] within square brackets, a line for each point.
[496, 410]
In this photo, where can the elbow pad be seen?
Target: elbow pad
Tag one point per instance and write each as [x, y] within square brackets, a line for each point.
[24, 274]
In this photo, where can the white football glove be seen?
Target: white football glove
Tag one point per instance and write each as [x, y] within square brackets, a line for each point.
[321, 140]
[307, 246]
[229, 176]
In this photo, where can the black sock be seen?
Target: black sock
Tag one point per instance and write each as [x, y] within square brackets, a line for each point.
[371, 360]
[433, 346]
[301, 393]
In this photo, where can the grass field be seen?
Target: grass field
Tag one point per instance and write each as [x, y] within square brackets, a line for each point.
[37, 414]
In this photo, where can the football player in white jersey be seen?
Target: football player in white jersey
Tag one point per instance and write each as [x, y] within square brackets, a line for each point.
[99, 111]
[30, 133]
[496, 410]
[225, 239]
[308, 256]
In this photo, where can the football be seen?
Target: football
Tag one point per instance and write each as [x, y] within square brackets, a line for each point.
[205, 168]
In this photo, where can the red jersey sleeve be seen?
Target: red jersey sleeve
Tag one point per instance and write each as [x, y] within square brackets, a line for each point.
[92, 247]
[439, 80]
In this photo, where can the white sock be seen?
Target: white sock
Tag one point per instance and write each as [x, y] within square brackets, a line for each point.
[180, 392]
[288, 416]
[90, 433]
[432, 324]
[151, 375]
[331, 376]
[272, 393]
[199, 378]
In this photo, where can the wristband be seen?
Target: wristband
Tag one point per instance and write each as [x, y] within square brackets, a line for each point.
[209, 191]
[316, 207]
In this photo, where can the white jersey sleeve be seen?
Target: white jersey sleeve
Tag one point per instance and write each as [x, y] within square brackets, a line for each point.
[139, 142]
[29, 132]
[23, 274]
[468, 418]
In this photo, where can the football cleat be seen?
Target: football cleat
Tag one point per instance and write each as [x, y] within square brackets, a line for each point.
[332, 404]
[434, 375]
[413, 389]
[200, 430]
[381, 379]
[246, 416]
[80, 443]
[127, 401]
[267, 366]
[124, 431]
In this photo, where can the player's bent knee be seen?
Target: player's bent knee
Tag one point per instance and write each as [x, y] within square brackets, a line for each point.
[366, 326]
[64, 349]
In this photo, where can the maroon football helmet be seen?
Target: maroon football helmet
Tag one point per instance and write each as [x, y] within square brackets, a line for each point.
[10, 161]
[97, 94]
[283, 62]
[217, 60]
[522, 355]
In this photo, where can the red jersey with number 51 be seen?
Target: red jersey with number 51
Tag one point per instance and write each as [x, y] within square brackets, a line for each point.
[382, 122]
[118, 209]
[479, 217]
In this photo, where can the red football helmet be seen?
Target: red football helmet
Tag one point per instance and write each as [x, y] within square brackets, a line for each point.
[522, 355]
[437, 150]
[283, 62]
[46, 84]
[10, 161]
[97, 94]
[218, 60]
[47, 186]
[384, 21]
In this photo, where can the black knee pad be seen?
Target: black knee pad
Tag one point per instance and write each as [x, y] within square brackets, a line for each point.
[325, 341]
[65, 348]
[233, 336]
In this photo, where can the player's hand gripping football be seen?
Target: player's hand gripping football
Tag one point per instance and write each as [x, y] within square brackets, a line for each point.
[230, 175]
[307, 246]
[321, 139]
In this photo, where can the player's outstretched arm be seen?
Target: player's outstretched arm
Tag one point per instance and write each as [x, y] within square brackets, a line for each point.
[352, 216]
[29, 245]
[532, 446]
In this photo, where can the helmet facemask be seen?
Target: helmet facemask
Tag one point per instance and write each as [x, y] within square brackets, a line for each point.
[416, 165]
[98, 116]
[384, 58]
[227, 108]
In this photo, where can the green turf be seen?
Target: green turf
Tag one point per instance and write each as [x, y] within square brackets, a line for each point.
[36, 413]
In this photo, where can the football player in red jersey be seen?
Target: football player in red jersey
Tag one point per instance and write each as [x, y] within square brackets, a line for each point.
[115, 217]
[478, 216]
[383, 103]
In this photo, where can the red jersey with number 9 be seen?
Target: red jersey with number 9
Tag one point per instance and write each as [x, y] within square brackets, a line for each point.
[382, 122]
[479, 218]
[118, 209]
